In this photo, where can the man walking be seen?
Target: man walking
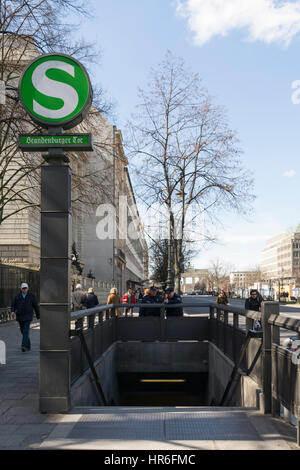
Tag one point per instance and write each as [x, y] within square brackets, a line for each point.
[78, 298]
[22, 307]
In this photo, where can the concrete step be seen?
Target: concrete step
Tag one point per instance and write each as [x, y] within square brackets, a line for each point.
[166, 428]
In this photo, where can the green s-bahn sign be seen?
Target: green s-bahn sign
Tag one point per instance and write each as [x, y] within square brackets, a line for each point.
[55, 91]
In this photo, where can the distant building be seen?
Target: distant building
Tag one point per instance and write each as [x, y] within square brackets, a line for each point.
[194, 279]
[280, 263]
[243, 279]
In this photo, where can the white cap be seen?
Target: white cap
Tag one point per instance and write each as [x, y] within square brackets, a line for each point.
[24, 284]
[78, 286]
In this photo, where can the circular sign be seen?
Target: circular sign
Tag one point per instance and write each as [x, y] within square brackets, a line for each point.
[55, 90]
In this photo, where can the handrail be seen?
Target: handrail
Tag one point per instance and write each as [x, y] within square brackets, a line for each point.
[282, 321]
[102, 308]
[78, 332]
[250, 334]
[227, 308]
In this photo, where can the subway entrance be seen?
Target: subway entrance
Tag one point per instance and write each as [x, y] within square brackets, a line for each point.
[163, 389]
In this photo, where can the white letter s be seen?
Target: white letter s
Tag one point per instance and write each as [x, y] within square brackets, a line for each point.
[55, 89]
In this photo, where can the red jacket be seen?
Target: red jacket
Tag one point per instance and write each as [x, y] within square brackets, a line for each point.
[125, 299]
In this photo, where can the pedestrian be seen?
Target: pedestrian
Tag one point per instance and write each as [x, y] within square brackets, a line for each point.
[152, 298]
[91, 300]
[78, 298]
[22, 307]
[129, 298]
[140, 295]
[254, 303]
[222, 298]
[114, 298]
[171, 299]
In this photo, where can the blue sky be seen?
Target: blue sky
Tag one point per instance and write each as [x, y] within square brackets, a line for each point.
[247, 54]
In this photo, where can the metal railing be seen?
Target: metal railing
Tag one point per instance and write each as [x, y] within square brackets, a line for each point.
[285, 386]
[101, 328]
[275, 368]
[5, 315]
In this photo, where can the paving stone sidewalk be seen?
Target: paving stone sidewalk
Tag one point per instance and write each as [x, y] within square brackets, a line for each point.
[22, 426]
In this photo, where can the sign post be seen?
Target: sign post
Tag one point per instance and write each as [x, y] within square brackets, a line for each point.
[55, 91]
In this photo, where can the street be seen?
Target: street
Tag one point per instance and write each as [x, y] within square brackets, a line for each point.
[287, 310]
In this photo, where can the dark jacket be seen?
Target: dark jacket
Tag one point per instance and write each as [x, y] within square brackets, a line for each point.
[91, 300]
[174, 312]
[78, 299]
[253, 304]
[150, 299]
[222, 299]
[23, 308]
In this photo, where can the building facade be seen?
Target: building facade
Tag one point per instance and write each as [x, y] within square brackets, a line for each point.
[280, 263]
[241, 280]
[194, 279]
[103, 206]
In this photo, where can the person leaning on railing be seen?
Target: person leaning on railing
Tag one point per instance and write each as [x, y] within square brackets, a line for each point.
[114, 298]
[152, 298]
[254, 303]
[222, 299]
[171, 299]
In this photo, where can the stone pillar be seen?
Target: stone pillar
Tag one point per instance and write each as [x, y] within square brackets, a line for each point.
[55, 287]
[275, 339]
[267, 309]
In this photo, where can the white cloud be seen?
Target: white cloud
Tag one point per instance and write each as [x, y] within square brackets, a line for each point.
[289, 173]
[265, 20]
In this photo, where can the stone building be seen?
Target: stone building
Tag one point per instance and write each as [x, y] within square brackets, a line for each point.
[243, 279]
[280, 263]
[194, 279]
[101, 186]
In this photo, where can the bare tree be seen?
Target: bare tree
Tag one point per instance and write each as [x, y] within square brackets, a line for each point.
[27, 28]
[218, 277]
[187, 158]
[159, 258]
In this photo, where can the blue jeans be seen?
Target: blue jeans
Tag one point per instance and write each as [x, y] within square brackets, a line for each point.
[25, 327]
